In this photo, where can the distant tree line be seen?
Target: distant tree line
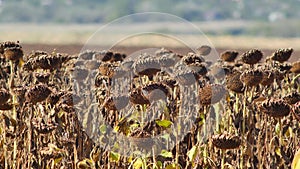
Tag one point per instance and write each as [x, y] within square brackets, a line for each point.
[96, 11]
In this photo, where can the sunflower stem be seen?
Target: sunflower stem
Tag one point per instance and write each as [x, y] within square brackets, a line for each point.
[4, 144]
[223, 159]
[280, 132]
[14, 112]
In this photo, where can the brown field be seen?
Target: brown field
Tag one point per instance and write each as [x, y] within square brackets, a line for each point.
[76, 48]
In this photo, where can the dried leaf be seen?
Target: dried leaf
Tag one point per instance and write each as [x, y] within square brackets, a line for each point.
[296, 160]
[57, 160]
[172, 166]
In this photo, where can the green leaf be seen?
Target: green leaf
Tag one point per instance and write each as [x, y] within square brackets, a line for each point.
[192, 153]
[61, 113]
[164, 123]
[114, 156]
[278, 151]
[289, 132]
[138, 163]
[159, 164]
[172, 166]
[103, 129]
[165, 136]
[57, 160]
[277, 129]
[166, 154]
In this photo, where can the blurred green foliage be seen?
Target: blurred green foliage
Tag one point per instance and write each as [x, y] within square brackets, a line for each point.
[95, 11]
[275, 17]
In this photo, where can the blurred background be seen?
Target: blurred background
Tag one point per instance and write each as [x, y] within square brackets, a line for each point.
[230, 24]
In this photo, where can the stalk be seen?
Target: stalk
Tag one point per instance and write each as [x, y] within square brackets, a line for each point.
[280, 132]
[14, 112]
[205, 153]
[243, 126]
[75, 155]
[177, 149]
[29, 134]
[244, 111]
[217, 122]
[223, 159]
[4, 144]
[236, 109]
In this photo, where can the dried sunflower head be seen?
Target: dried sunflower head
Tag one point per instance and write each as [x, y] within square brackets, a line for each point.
[116, 102]
[148, 66]
[229, 56]
[42, 77]
[103, 55]
[4, 96]
[198, 69]
[35, 54]
[204, 50]
[9, 44]
[296, 111]
[51, 152]
[252, 77]
[226, 141]
[275, 108]
[156, 91]
[68, 98]
[117, 72]
[30, 64]
[162, 52]
[14, 50]
[285, 67]
[101, 80]
[13, 53]
[292, 98]
[6, 106]
[37, 93]
[54, 97]
[282, 55]
[87, 55]
[170, 82]
[92, 64]
[234, 83]
[168, 60]
[80, 74]
[268, 78]
[46, 62]
[42, 127]
[252, 57]
[211, 94]
[19, 91]
[296, 67]
[185, 77]
[118, 57]
[219, 72]
[279, 75]
[127, 65]
[105, 69]
[137, 97]
[192, 58]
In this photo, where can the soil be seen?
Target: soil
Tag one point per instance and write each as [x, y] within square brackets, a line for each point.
[76, 48]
